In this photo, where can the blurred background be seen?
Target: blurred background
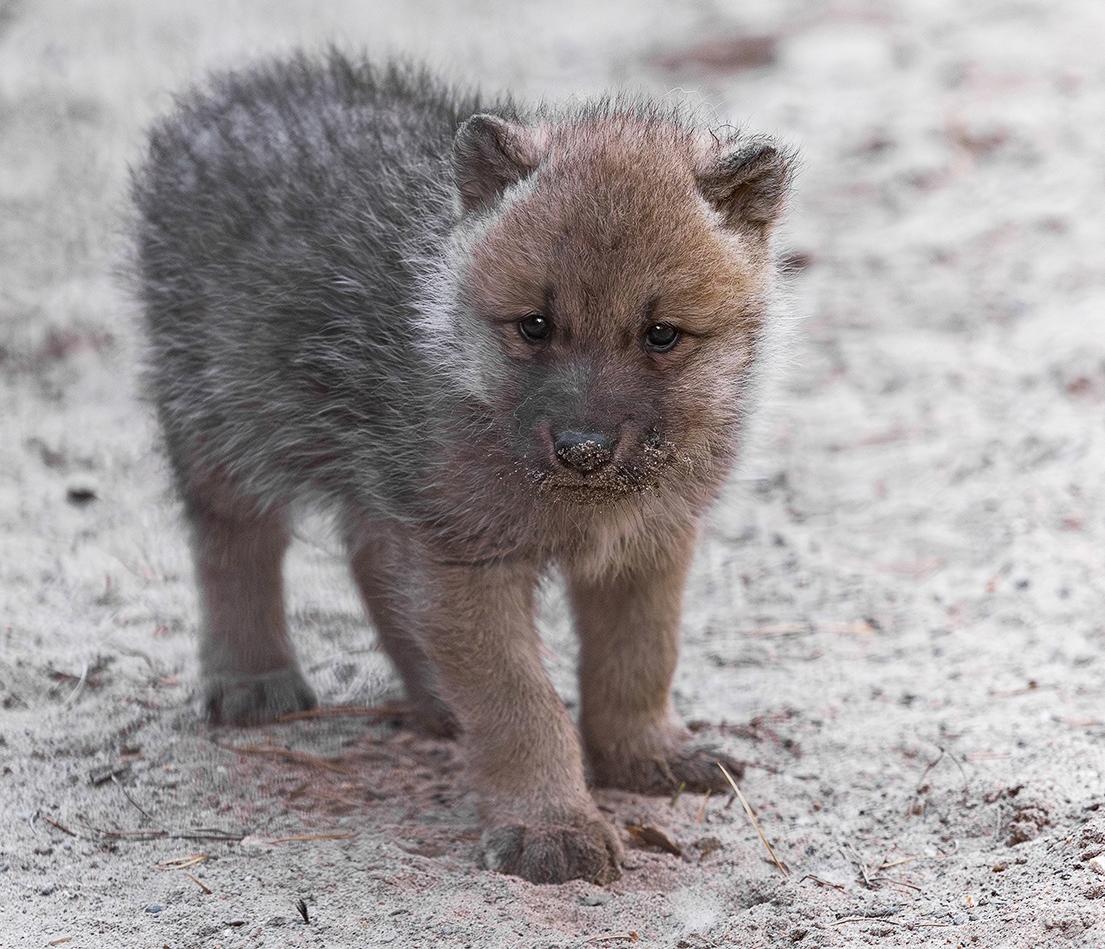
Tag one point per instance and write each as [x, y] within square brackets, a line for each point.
[911, 571]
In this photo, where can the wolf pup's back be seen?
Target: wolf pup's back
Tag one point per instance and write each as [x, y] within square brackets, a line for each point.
[283, 215]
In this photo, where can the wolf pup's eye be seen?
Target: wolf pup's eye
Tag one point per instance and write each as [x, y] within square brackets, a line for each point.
[534, 327]
[660, 337]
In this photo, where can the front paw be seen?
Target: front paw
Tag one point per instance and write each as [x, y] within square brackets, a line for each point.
[257, 699]
[686, 766]
[554, 852]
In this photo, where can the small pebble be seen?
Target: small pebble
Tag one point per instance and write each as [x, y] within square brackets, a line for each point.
[594, 899]
[154, 908]
[80, 495]
[47, 890]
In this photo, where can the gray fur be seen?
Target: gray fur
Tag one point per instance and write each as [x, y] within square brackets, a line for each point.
[275, 255]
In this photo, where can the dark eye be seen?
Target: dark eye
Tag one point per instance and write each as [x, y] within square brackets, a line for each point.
[534, 327]
[660, 337]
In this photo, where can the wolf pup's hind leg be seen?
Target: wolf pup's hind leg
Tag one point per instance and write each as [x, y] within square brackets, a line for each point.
[379, 588]
[249, 671]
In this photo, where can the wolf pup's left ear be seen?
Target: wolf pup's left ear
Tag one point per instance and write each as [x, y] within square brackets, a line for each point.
[748, 186]
[489, 155]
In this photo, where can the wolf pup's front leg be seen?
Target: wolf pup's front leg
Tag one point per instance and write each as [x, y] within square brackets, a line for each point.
[477, 628]
[628, 623]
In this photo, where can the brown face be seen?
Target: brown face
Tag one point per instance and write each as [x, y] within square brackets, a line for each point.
[619, 314]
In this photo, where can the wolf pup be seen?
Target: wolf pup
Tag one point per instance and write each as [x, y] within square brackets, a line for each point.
[493, 342]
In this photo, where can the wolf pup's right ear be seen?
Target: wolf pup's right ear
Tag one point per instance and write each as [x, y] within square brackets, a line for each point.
[748, 185]
[489, 155]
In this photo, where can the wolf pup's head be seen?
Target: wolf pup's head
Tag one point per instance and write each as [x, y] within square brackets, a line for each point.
[610, 277]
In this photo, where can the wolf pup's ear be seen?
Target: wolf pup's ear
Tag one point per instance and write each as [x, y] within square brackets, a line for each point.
[489, 155]
[748, 186]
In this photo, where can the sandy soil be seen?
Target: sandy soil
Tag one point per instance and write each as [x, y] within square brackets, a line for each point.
[897, 619]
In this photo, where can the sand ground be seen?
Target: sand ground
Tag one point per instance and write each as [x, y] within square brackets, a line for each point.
[897, 619]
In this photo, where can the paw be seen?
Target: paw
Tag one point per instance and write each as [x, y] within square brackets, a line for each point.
[555, 852]
[256, 700]
[694, 768]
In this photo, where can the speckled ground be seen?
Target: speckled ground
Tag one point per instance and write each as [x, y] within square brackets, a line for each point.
[897, 618]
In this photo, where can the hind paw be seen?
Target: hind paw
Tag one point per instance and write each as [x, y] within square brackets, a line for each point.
[256, 700]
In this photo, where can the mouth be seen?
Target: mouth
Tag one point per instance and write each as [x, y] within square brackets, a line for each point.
[583, 495]
[599, 487]
[591, 489]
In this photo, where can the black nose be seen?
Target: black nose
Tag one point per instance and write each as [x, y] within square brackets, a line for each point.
[584, 451]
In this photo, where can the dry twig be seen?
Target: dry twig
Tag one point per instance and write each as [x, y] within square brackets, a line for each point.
[678, 792]
[181, 863]
[887, 919]
[862, 864]
[138, 807]
[824, 883]
[203, 886]
[887, 864]
[296, 757]
[79, 687]
[755, 823]
[59, 825]
[701, 815]
[196, 833]
[654, 837]
[343, 711]
[292, 838]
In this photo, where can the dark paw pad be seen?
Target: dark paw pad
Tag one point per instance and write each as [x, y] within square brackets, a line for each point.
[555, 853]
[256, 700]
